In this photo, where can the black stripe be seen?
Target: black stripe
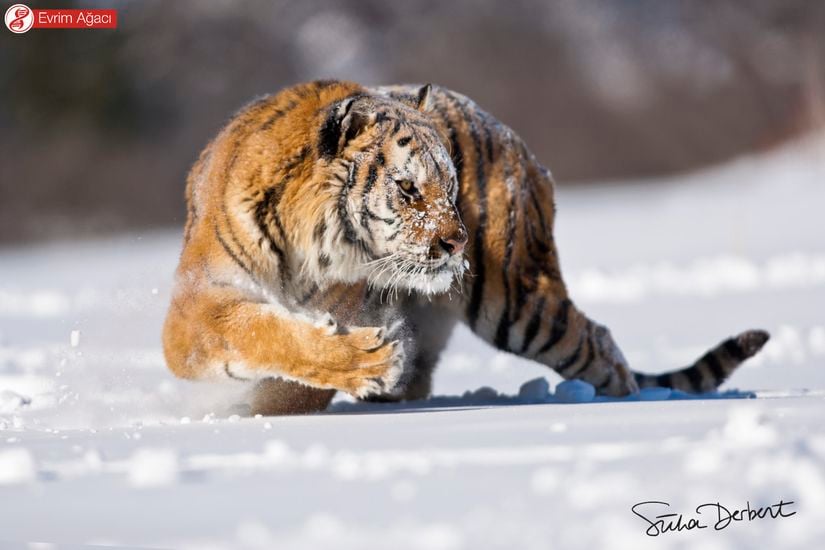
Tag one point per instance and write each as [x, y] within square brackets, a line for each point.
[254, 105]
[308, 296]
[528, 223]
[456, 153]
[604, 383]
[425, 124]
[540, 241]
[329, 136]
[438, 171]
[530, 245]
[320, 230]
[715, 367]
[519, 273]
[267, 207]
[224, 210]
[403, 97]
[477, 292]
[232, 237]
[276, 115]
[487, 138]
[503, 330]
[559, 328]
[521, 296]
[231, 254]
[540, 256]
[734, 350]
[390, 200]
[349, 230]
[368, 229]
[539, 212]
[570, 361]
[233, 376]
[372, 176]
[694, 377]
[373, 216]
[502, 338]
[588, 358]
[294, 161]
[324, 83]
[191, 217]
[533, 325]
[350, 234]
[411, 153]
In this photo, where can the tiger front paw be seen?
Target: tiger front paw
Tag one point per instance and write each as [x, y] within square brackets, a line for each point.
[365, 361]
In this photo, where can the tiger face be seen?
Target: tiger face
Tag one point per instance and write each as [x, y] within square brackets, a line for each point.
[395, 190]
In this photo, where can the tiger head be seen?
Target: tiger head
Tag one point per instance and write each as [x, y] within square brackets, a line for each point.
[394, 189]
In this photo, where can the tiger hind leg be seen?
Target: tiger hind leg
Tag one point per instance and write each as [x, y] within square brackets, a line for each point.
[276, 397]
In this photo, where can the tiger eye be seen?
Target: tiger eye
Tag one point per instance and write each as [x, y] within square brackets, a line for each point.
[406, 185]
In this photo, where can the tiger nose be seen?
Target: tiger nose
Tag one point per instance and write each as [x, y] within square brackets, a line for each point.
[454, 244]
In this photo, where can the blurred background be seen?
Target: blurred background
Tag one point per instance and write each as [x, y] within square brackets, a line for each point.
[98, 128]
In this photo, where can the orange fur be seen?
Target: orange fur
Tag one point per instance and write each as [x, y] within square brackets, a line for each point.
[214, 323]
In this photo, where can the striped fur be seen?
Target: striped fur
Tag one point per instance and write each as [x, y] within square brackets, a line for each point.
[328, 232]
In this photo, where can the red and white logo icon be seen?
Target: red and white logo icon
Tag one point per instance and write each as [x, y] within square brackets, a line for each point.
[19, 18]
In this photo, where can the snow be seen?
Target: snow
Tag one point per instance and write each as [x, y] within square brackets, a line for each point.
[153, 467]
[575, 391]
[534, 391]
[16, 466]
[99, 444]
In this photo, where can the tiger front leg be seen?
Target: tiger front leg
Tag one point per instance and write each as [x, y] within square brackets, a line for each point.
[221, 335]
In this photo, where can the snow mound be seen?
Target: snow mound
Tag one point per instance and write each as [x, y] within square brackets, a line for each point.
[16, 466]
[153, 468]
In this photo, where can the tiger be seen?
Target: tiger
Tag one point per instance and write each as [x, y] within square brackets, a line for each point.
[336, 234]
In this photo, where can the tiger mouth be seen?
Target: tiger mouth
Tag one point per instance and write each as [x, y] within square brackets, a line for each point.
[431, 268]
[428, 270]
[429, 277]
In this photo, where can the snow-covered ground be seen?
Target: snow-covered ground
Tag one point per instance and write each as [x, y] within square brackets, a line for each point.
[100, 445]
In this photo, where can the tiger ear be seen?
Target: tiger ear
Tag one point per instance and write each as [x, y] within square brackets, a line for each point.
[424, 94]
[343, 124]
[353, 124]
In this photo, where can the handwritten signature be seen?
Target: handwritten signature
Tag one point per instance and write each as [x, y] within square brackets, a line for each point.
[720, 515]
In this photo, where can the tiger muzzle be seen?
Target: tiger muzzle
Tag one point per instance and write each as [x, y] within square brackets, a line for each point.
[454, 242]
